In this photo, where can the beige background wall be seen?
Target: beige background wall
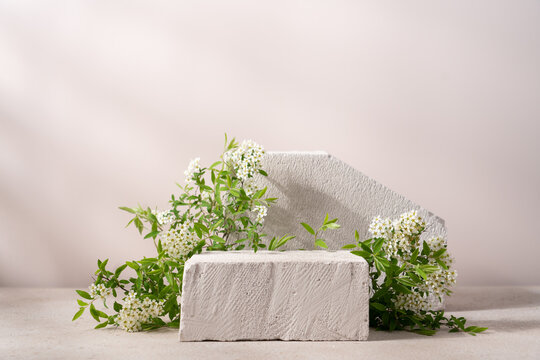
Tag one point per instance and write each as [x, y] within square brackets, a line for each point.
[103, 103]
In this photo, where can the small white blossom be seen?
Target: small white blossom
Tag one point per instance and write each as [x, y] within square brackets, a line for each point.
[245, 159]
[410, 223]
[415, 302]
[178, 242]
[381, 228]
[193, 167]
[99, 291]
[135, 312]
[165, 217]
[261, 213]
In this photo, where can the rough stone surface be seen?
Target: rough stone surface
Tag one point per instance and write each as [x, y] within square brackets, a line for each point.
[293, 295]
[310, 184]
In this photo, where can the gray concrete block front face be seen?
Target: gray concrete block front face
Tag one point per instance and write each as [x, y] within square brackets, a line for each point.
[292, 295]
[310, 184]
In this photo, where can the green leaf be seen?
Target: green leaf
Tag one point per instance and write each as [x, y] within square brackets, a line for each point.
[102, 325]
[152, 234]
[139, 225]
[331, 226]
[425, 249]
[283, 240]
[308, 228]
[321, 243]
[84, 294]
[349, 246]
[129, 210]
[117, 307]
[217, 239]
[377, 245]
[78, 314]
[420, 272]
[405, 280]
[94, 312]
[259, 194]
[429, 269]
[119, 270]
[356, 235]
[378, 264]
[437, 254]
[234, 192]
[81, 303]
[262, 172]
[377, 306]
[442, 264]
[414, 256]
[366, 255]
[427, 332]
[133, 265]
[401, 289]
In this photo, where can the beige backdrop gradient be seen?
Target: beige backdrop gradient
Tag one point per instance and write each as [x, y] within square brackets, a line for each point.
[103, 103]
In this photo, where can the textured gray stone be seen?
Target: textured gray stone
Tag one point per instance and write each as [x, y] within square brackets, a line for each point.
[293, 295]
[310, 184]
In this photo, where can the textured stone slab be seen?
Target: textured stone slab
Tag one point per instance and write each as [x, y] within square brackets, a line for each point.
[310, 184]
[293, 295]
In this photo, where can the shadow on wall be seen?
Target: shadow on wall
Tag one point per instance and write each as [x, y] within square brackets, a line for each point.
[314, 205]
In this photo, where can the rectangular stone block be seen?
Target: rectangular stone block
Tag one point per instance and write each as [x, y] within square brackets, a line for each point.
[270, 295]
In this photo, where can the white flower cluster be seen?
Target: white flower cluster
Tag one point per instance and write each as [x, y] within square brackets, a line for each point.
[193, 167]
[178, 242]
[245, 159]
[401, 238]
[410, 223]
[135, 312]
[415, 302]
[436, 284]
[381, 228]
[165, 217]
[261, 213]
[400, 235]
[99, 291]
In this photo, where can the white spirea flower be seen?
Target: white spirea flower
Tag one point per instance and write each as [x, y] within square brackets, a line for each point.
[178, 242]
[381, 228]
[402, 237]
[99, 291]
[411, 223]
[245, 159]
[261, 213]
[415, 302]
[193, 167]
[136, 311]
[165, 217]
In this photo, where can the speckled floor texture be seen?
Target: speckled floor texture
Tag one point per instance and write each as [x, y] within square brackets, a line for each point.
[36, 324]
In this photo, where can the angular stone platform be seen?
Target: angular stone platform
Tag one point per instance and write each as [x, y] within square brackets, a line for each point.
[293, 295]
[310, 184]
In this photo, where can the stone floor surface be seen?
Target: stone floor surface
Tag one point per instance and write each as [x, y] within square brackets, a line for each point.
[36, 324]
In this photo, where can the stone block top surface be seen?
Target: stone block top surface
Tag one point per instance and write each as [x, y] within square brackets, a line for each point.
[248, 256]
